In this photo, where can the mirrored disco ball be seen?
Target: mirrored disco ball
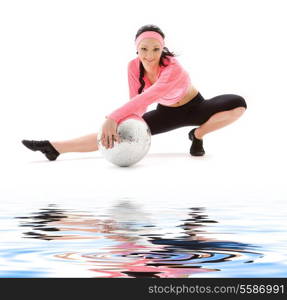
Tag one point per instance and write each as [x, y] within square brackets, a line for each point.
[135, 142]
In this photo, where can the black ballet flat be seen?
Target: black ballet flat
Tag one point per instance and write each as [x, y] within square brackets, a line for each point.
[196, 148]
[44, 146]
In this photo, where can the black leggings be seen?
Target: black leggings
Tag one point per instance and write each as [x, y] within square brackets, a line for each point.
[193, 113]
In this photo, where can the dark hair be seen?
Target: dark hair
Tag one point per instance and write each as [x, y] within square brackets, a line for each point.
[165, 53]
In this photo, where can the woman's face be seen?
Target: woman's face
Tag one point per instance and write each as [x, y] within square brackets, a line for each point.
[149, 52]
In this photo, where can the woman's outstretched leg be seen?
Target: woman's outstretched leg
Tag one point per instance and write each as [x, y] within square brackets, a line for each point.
[53, 149]
[85, 143]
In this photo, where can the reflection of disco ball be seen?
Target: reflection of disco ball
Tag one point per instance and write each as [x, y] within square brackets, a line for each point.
[135, 142]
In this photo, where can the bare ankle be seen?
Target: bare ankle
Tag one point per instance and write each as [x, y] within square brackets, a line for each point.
[197, 134]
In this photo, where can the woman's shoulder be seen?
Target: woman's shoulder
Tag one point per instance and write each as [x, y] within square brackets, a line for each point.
[134, 64]
[173, 66]
[171, 60]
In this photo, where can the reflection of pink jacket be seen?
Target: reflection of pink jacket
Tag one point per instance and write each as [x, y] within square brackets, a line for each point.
[172, 84]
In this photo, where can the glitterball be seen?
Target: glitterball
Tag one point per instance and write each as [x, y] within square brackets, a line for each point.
[135, 141]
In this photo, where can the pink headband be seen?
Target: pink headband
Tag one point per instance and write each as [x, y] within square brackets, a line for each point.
[149, 34]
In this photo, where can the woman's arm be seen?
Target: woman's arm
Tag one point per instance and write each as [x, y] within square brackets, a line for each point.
[169, 79]
[109, 128]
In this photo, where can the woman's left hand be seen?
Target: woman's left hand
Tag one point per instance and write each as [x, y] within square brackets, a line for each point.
[109, 133]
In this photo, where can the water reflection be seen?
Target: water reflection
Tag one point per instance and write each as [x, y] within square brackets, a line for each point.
[129, 244]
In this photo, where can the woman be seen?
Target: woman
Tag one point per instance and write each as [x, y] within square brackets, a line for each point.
[155, 75]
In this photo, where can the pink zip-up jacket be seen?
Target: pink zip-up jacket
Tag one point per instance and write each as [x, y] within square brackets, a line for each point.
[172, 84]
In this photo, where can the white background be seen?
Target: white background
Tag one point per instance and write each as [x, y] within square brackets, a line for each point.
[64, 65]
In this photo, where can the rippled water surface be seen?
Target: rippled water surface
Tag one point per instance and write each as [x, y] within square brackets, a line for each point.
[130, 237]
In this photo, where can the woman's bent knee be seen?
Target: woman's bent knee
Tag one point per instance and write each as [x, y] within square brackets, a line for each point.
[239, 101]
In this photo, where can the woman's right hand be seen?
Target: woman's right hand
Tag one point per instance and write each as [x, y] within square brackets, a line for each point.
[109, 133]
